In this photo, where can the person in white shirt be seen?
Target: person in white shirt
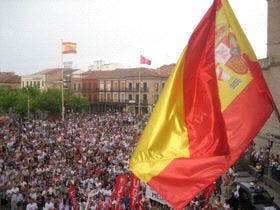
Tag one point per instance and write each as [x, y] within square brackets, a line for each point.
[49, 205]
[32, 206]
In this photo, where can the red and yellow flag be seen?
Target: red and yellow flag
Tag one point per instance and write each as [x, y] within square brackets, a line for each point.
[69, 47]
[213, 105]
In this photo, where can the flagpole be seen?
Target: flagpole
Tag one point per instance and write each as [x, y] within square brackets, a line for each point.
[62, 86]
[28, 104]
[139, 91]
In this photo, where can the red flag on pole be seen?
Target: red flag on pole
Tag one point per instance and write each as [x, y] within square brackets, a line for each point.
[144, 60]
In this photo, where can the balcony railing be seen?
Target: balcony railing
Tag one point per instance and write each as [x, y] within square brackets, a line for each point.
[143, 90]
[132, 102]
[137, 89]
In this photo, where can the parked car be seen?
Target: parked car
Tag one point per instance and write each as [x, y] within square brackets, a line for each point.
[255, 197]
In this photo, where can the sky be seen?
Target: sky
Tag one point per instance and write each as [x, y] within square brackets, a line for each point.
[116, 31]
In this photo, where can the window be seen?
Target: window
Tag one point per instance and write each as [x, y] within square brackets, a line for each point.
[22, 83]
[30, 83]
[101, 97]
[122, 97]
[115, 97]
[108, 97]
[130, 86]
[89, 86]
[123, 85]
[108, 85]
[261, 197]
[156, 86]
[38, 84]
[162, 85]
[137, 86]
[145, 87]
[155, 98]
[79, 86]
[115, 85]
[74, 86]
[145, 98]
[27, 84]
[130, 97]
[101, 85]
[137, 98]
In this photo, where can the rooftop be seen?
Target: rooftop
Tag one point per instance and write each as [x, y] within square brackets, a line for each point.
[9, 77]
[121, 73]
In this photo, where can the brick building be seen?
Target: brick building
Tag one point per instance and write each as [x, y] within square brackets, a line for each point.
[130, 89]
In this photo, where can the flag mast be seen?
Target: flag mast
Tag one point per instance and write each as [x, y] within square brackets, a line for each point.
[62, 85]
[139, 91]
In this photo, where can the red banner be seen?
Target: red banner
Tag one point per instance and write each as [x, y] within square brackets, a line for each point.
[72, 196]
[134, 191]
[120, 189]
[100, 203]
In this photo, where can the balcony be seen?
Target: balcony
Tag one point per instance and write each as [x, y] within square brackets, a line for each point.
[142, 90]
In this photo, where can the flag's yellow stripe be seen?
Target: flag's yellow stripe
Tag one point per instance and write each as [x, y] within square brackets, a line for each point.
[234, 24]
[165, 136]
[231, 87]
[68, 47]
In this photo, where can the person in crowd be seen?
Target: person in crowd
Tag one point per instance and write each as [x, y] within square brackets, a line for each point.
[218, 204]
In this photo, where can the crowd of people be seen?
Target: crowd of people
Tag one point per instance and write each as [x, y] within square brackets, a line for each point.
[40, 159]
[264, 162]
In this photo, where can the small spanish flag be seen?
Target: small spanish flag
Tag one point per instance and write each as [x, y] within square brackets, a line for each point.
[69, 47]
[211, 108]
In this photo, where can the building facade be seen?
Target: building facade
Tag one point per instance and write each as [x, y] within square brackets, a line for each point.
[133, 90]
[49, 78]
[271, 71]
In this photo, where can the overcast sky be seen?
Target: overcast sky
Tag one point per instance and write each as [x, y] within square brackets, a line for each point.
[112, 30]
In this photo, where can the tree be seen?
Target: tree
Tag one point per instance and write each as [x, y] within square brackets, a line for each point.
[37, 101]
[75, 103]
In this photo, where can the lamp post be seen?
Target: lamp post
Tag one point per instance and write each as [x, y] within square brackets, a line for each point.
[270, 143]
[28, 105]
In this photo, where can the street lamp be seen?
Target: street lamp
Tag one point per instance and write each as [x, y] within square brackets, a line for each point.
[270, 143]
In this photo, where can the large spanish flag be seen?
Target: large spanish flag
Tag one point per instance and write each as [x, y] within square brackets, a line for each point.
[69, 47]
[213, 105]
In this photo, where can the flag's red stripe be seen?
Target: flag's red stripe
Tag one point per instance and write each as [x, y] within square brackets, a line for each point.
[69, 43]
[243, 118]
[69, 51]
[204, 121]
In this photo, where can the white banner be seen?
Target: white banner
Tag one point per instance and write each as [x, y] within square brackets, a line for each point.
[153, 195]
